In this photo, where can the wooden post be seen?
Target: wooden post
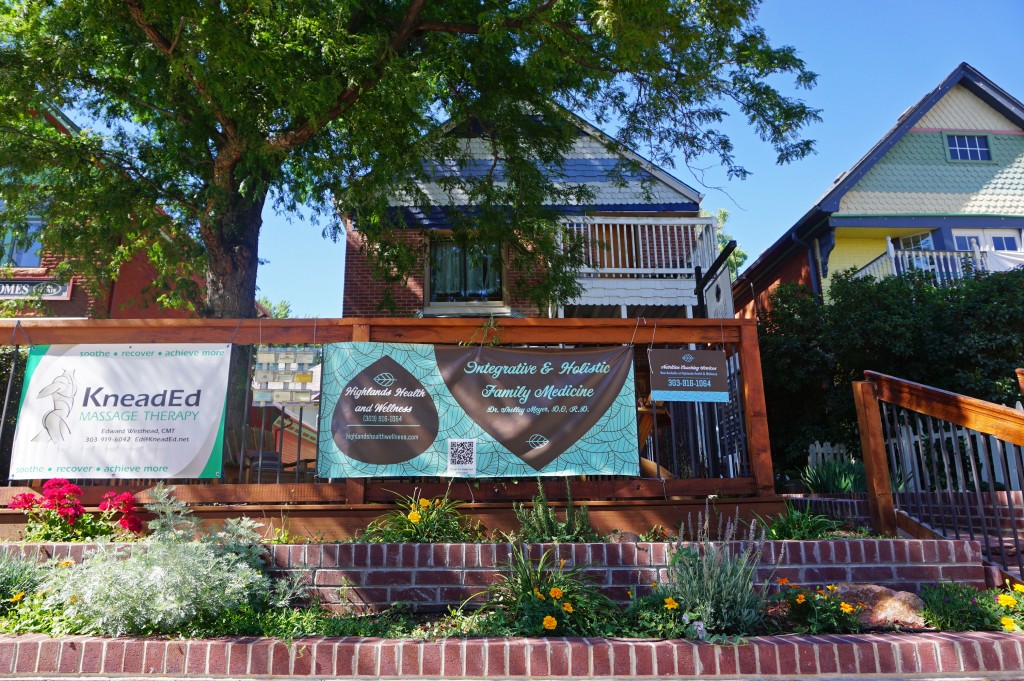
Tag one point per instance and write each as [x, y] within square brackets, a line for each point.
[876, 464]
[755, 415]
[355, 488]
[1020, 380]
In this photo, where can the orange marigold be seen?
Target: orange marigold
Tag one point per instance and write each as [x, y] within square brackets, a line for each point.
[550, 623]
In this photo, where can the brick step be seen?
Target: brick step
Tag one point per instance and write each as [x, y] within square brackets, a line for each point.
[992, 654]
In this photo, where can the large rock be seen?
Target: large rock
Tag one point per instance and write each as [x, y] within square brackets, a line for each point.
[884, 606]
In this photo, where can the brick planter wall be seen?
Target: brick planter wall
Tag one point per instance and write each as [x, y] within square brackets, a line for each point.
[436, 576]
[995, 655]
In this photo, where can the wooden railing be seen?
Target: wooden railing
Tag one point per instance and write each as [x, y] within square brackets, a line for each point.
[740, 335]
[957, 463]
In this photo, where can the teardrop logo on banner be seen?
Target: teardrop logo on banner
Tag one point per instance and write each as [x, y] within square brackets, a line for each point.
[384, 415]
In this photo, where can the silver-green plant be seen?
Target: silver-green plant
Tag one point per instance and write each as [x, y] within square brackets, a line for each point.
[18, 578]
[159, 588]
[714, 580]
[182, 577]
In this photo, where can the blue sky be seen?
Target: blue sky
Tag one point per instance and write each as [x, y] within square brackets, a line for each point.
[874, 58]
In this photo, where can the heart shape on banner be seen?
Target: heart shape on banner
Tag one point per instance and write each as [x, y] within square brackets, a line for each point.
[535, 415]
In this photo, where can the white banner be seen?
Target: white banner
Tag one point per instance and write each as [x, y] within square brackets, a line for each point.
[122, 411]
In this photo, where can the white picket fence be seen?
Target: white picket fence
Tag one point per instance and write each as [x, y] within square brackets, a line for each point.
[818, 453]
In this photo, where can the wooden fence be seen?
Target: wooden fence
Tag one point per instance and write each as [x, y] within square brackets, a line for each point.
[739, 336]
[945, 463]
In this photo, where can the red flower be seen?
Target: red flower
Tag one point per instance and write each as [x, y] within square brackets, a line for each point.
[131, 523]
[26, 501]
[112, 501]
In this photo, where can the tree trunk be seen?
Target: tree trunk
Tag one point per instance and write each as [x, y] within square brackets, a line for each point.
[233, 259]
[232, 263]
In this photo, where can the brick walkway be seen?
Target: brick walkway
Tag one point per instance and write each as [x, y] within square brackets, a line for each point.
[994, 655]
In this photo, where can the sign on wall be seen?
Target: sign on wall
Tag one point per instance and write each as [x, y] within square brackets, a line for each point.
[122, 411]
[284, 377]
[29, 289]
[412, 410]
[689, 375]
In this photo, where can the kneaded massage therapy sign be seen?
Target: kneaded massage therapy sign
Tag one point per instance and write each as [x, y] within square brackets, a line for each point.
[410, 410]
[122, 411]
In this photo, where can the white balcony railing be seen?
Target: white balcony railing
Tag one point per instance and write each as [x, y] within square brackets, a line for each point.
[944, 267]
[642, 247]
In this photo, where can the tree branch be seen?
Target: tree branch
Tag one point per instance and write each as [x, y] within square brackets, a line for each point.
[167, 47]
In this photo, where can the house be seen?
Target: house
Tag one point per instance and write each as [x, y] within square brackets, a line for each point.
[942, 191]
[28, 276]
[645, 242]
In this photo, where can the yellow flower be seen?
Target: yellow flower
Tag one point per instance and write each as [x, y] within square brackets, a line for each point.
[832, 587]
[800, 598]
[550, 623]
[561, 564]
[670, 604]
[424, 503]
[16, 597]
[1008, 623]
[846, 607]
[1019, 588]
[629, 592]
[538, 594]
[567, 607]
[437, 502]
[1006, 600]
[74, 599]
[415, 517]
[65, 563]
[555, 593]
[654, 585]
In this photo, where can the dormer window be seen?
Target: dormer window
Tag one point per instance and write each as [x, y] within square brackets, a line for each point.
[968, 147]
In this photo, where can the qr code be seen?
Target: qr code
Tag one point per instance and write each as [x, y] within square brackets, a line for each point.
[461, 457]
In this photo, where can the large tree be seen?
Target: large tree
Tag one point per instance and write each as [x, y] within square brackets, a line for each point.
[195, 114]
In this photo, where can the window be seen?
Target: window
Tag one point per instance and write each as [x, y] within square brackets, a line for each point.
[917, 242]
[17, 254]
[966, 243]
[968, 148]
[1004, 243]
[469, 274]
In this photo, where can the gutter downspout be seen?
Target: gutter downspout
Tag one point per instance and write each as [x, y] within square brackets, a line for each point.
[344, 260]
[815, 273]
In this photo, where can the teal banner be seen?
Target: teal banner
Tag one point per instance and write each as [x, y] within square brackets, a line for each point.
[391, 410]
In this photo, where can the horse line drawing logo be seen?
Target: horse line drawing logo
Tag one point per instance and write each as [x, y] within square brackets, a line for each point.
[62, 391]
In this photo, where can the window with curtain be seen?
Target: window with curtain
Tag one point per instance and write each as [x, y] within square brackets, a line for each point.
[464, 274]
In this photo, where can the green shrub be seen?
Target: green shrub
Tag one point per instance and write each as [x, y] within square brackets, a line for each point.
[658, 615]
[795, 524]
[835, 476]
[422, 520]
[954, 606]
[543, 599]
[539, 523]
[714, 581]
[818, 610]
